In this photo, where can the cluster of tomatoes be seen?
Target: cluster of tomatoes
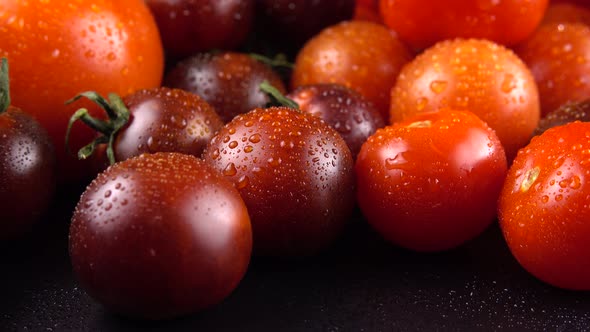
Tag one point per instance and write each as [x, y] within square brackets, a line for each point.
[435, 118]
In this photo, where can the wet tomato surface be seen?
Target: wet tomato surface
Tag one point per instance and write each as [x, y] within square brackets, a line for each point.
[160, 235]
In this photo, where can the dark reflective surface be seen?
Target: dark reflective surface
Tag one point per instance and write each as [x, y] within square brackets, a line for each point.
[361, 284]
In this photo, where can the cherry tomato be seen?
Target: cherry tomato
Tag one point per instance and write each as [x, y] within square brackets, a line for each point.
[149, 121]
[422, 23]
[345, 110]
[566, 113]
[431, 182]
[363, 56]
[367, 10]
[295, 174]
[27, 167]
[292, 22]
[191, 26]
[229, 81]
[566, 13]
[59, 48]
[474, 75]
[543, 209]
[160, 235]
[559, 58]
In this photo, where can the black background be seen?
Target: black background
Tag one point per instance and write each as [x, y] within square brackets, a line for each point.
[360, 284]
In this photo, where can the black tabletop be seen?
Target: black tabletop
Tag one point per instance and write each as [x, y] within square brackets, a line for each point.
[361, 284]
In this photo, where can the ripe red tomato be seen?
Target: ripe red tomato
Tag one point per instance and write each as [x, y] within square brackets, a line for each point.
[559, 58]
[27, 167]
[431, 182]
[57, 49]
[160, 235]
[544, 210]
[422, 23]
[295, 174]
[363, 56]
[473, 75]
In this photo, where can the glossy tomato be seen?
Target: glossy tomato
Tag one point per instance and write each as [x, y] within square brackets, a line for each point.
[160, 235]
[475, 75]
[148, 121]
[544, 208]
[431, 182]
[559, 58]
[422, 23]
[27, 167]
[229, 81]
[295, 174]
[191, 26]
[59, 48]
[363, 56]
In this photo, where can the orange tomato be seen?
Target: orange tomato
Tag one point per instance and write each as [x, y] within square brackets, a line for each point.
[474, 75]
[60, 48]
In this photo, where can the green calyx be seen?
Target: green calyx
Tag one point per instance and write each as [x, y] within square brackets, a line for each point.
[4, 86]
[276, 97]
[118, 116]
[280, 60]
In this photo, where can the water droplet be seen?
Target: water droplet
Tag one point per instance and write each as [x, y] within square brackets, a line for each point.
[230, 170]
[438, 86]
[255, 138]
[395, 162]
[243, 182]
[233, 144]
[421, 103]
[509, 83]
[248, 148]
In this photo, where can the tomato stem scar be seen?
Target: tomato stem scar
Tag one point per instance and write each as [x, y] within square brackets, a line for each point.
[529, 178]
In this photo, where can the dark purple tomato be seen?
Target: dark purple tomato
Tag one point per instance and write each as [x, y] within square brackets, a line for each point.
[27, 172]
[292, 22]
[191, 26]
[27, 166]
[229, 81]
[295, 174]
[162, 120]
[345, 110]
[569, 112]
[160, 235]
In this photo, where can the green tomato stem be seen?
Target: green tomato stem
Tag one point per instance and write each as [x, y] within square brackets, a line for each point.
[4, 86]
[277, 98]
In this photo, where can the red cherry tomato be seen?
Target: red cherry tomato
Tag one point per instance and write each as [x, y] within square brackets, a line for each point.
[566, 13]
[58, 48]
[431, 182]
[473, 75]
[544, 210]
[422, 23]
[160, 235]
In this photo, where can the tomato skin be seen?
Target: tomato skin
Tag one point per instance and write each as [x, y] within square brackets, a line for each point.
[543, 209]
[295, 174]
[160, 235]
[559, 58]
[191, 26]
[353, 117]
[58, 49]
[474, 75]
[422, 23]
[229, 81]
[27, 173]
[431, 183]
[363, 56]
[566, 13]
